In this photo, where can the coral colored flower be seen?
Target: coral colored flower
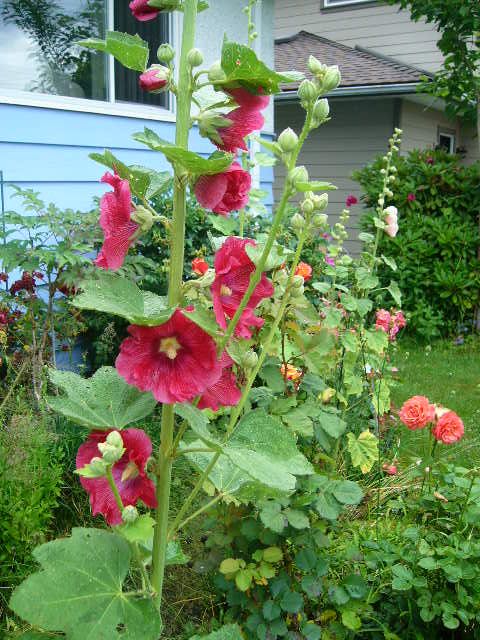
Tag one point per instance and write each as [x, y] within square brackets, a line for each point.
[224, 393]
[233, 269]
[304, 270]
[411, 197]
[417, 412]
[391, 218]
[290, 372]
[399, 320]
[199, 266]
[142, 11]
[382, 320]
[176, 360]
[129, 474]
[249, 100]
[115, 219]
[155, 79]
[449, 428]
[224, 192]
[390, 469]
[351, 200]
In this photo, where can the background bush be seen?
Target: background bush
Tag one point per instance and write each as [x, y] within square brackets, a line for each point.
[436, 249]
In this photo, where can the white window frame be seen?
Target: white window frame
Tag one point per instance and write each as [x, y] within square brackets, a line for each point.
[105, 107]
[329, 4]
[451, 136]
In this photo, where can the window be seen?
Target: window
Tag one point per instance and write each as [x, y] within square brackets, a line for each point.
[327, 4]
[38, 54]
[446, 140]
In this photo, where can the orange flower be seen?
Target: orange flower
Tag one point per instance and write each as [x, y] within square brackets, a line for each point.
[290, 372]
[417, 412]
[449, 428]
[304, 270]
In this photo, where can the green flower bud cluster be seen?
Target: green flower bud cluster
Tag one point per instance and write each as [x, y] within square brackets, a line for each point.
[389, 170]
[143, 217]
[129, 514]
[249, 359]
[216, 74]
[326, 78]
[209, 122]
[112, 449]
[288, 140]
[165, 53]
[298, 175]
[195, 58]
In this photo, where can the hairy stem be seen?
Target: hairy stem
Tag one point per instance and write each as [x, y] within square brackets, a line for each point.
[165, 454]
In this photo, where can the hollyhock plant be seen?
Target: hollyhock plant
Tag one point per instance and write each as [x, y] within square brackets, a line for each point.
[176, 360]
[199, 266]
[129, 474]
[142, 11]
[391, 219]
[115, 219]
[155, 79]
[304, 270]
[224, 192]
[224, 393]
[233, 269]
[449, 428]
[417, 412]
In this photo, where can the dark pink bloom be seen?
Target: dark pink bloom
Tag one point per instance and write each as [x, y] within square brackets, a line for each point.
[382, 320]
[390, 469]
[154, 79]
[176, 361]
[115, 219]
[249, 100]
[429, 160]
[224, 393]
[351, 200]
[411, 197]
[224, 192]
[142, 11]
[233, 269]
[243, 123]
[129, 474]
[399, 320]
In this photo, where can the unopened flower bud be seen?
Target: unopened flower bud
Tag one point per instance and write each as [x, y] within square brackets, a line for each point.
[96, 468]
[298, 174]
[321, 110]
[297, 282]
[155, 79]
[112, 449]
[315, 66]
[320, 201]
[298, 222]
[195, 57]
[331, 79]
[308, 206]
[129, 514]
[165, 53]
[327, 395]
[320, 220]
[216, 73]
[115, 439]
[288, 140]
[307, 91]
[143, 217]
[249, 359]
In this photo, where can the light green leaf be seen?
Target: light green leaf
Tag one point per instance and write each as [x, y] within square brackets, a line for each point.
[243, 579]
[327, 506]
[272, 554]
[226, 226]
[276, 257]
[390, 262]
[332, 423]
[79, 590]
[198, 422]
[205, 320]
[229, 565]
[297, 519]
[363, 450]
[111, 293]
[351, 620]
[139, 531]
[192, 162]
[104, 401]
[314, 186]
[227, 632]
[175, 554]
[377, 340]
[130, 51]
[347, 492]
[365, 279]
[272, 517]
[395, 292]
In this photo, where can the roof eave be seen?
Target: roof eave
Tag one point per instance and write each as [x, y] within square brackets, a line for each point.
[360, 90]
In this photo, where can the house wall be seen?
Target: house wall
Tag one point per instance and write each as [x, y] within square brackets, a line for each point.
[469, 140]
[358, 131]
[420, 125]
[376, 26]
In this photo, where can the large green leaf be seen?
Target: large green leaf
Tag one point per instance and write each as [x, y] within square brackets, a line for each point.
[79, 590]
[130, 51]
[241, 65]
[198, 422]
[363, 450]
[227, 632]
[104, 401]
[331, 423]
[189, 160]
[111, 293]
[143, 182]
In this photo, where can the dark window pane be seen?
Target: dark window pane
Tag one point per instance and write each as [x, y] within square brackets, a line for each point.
[154, 32]
[37, 52]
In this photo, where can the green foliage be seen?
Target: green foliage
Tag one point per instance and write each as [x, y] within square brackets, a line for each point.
[131, 51]
[436, 248]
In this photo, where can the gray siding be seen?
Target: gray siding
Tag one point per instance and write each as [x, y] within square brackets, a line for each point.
[358, 131]
[469, 140]
[380, 27]
[420, 126]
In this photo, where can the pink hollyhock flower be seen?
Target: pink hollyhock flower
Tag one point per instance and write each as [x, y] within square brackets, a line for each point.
[199, 266]
[391, 218]
[224, 192]
[305, 270]
[329, 260]
[154, 79]
[115, 219]
[233, 269]
[176, 360]
[429, 160]
[249, 100]
[142, 11]
[224, 393]
[411, 197]
[383, 319]
[449, 428]
[129, 474]
[417, 412]
[390, 469]
[399, 320]
[243, 122]
[351, 200]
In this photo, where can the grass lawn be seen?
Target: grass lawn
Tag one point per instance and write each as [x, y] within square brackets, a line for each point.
[449, 375]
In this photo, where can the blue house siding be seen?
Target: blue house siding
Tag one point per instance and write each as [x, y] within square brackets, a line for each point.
[47, 150]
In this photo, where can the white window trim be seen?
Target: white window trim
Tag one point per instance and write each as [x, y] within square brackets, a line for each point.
[451, 136]
[343, 3]
[104, 107]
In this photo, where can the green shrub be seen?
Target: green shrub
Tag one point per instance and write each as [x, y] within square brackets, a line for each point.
[438, 200]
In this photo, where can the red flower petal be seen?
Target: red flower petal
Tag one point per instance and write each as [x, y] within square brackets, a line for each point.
[245, 98]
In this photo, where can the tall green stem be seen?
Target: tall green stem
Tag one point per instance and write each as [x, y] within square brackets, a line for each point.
[165, 454]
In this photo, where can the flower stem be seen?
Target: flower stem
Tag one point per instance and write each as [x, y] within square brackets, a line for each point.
[165, 458]
[195, 514]
[114, 488]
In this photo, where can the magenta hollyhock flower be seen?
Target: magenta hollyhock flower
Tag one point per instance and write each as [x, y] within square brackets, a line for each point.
[142, 11]
[329, 260]
[243, 123]
[233, 269]
[115, 219]
[411, 197]
[224, 192]
[129, 474]
[176, 360]
[224, 393]
[154, 79]
[249, 100]
[351, 200]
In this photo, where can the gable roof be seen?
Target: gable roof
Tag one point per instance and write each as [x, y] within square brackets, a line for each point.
[359, 67]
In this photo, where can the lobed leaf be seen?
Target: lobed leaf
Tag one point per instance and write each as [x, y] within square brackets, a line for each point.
[131, 51]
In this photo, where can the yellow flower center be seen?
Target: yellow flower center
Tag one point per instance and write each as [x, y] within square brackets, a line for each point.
[170, 347]
[225, 291]
[130, 472]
